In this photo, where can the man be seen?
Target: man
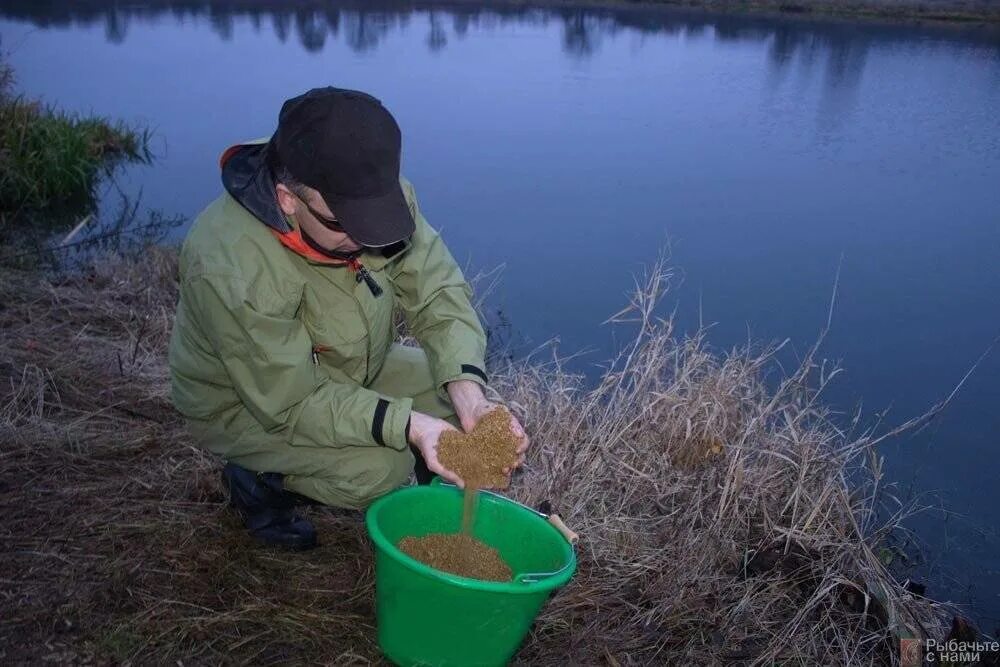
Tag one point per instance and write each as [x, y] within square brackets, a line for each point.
[282, 355]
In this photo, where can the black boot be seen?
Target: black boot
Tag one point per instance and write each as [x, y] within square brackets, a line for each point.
[267, 509]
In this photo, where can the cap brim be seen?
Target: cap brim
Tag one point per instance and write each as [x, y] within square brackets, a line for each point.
[375, 221]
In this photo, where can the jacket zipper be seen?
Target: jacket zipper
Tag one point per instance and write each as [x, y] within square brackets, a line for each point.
[361, 273]
[317, 349]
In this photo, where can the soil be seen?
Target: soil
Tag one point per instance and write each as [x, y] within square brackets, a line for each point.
[459, 554]
[480, 456]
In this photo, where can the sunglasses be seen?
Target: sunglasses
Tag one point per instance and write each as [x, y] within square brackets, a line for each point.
[329, 223]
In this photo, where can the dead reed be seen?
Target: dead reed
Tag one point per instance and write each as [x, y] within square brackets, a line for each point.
[725, 519]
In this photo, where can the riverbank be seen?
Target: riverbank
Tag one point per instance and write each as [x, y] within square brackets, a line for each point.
[717, 518]
[51, 161]
[961, 12]
[986, 12]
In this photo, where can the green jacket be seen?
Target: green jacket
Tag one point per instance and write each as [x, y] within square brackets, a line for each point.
[294, 340]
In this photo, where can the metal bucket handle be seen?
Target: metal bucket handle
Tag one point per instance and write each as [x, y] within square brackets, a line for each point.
[535, 577]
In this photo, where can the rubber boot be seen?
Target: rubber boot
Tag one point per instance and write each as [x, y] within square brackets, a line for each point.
[267, 509]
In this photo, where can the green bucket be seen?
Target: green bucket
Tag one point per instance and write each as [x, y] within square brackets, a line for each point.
[430, 617]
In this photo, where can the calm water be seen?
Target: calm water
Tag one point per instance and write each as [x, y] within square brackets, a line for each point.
[569, 145]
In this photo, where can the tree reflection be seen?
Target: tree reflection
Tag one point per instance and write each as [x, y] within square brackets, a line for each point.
[437, 38]
[115, 26]
[363, 25]
[282, 22]
[581, 34]
[460, 24]
[222, 24]
[364, 30]
[312, 30]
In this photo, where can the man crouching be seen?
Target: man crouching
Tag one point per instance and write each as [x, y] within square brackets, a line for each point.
[282, 355]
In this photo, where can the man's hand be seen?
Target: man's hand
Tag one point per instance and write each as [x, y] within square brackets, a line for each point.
[425, 431]
[471, 405]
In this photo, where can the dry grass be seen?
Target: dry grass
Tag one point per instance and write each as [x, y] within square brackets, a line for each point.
[719, 523]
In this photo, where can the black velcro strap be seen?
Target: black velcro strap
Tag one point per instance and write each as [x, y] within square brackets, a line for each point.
[475, 370]
[379, 419]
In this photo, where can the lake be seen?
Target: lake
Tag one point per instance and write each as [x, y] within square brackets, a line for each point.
[570, 145]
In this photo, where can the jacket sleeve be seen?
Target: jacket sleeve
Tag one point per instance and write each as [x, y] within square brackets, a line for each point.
[268, 359]
[436, 302]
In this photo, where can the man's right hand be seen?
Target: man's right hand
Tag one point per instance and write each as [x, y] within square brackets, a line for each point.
[425, 431]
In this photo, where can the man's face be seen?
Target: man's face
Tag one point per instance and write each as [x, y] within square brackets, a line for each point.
[294, 206]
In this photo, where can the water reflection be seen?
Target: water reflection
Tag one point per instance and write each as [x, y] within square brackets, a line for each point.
[365, 24]
[437, 38]
[833, 52]
[582, 33]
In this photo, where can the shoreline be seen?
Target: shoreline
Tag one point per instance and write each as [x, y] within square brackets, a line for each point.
[689, 429]
[905, 12]
[968, 13]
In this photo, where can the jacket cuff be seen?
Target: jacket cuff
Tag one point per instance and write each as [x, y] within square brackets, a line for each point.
[473, 372]
[390, 422]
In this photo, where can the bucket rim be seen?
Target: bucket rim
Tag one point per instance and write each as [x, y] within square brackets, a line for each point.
[382, 543]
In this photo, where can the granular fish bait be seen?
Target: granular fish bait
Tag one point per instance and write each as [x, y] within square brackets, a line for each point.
[479, 457]
[459, 554]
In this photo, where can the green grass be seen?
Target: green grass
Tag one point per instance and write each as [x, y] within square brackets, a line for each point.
[52, 161]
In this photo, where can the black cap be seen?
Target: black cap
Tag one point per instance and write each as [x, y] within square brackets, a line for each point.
[346, 145]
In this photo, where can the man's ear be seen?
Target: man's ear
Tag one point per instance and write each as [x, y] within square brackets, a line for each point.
[286, 200]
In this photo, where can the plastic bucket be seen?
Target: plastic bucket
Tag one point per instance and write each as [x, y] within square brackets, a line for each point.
[430, 617]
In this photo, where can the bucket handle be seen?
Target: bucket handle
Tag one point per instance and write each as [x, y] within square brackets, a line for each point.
[554, 519]
[535, 577]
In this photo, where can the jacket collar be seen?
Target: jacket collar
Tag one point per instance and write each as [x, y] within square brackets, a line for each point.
[248, 180]
[246, 177]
